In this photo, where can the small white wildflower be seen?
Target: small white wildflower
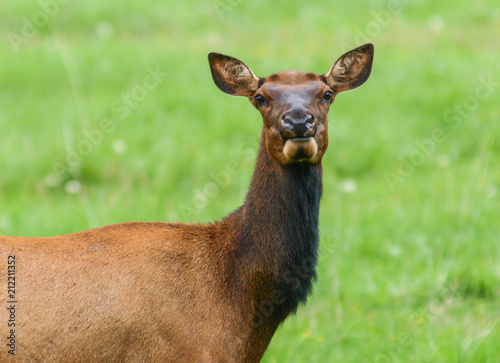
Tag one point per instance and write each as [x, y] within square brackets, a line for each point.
[119, 146]
[436, 24]
[349, 186]
[73, 187]
[51, 180]
[395, 250]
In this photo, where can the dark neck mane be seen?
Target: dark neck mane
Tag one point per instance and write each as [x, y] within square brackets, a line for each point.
[278, 237]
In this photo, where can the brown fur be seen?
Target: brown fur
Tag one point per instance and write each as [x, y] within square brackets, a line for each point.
[158, 292]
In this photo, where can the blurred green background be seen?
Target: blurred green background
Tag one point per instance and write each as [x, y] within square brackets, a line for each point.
[108, 113]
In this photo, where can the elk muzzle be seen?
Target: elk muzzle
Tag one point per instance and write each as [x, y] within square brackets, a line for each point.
[298, 128]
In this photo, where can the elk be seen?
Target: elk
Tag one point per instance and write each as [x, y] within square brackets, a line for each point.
[174, 292]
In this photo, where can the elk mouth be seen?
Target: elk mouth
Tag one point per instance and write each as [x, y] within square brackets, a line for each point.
[300, 148]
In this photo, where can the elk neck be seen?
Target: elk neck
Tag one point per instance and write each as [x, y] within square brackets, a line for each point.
[276, 248]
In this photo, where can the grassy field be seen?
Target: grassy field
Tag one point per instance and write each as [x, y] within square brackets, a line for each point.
[108, 113]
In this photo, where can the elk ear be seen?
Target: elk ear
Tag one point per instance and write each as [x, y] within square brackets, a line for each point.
[232, 76]
[351, 70]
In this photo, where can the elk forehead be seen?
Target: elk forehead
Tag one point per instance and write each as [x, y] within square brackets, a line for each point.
[292, 87]
[292, 77]
[294, 80]
[277, 89]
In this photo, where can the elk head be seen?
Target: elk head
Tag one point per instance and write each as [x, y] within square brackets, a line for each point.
[294, 104]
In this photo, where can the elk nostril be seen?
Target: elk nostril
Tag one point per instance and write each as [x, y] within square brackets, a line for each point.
[309, 121]
[288, 122]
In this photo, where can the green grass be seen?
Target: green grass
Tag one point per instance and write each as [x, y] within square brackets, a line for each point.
[407, 273]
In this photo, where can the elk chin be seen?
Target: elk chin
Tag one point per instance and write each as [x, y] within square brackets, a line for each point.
[300, 148]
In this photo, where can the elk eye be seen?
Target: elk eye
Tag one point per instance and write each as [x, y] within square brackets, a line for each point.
[327, 96]
[260, 99]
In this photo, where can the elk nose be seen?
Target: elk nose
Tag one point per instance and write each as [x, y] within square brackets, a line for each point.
[300, 127]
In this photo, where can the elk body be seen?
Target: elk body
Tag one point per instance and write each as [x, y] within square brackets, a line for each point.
[172, 292]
